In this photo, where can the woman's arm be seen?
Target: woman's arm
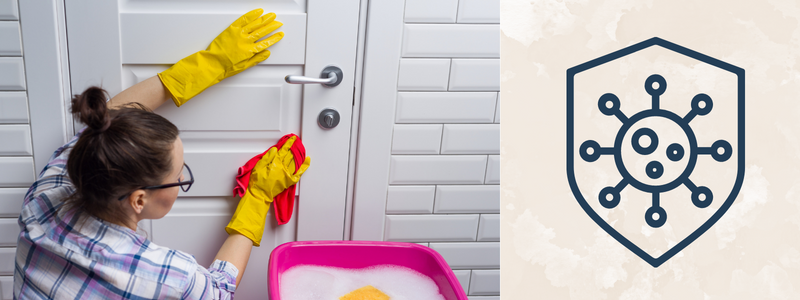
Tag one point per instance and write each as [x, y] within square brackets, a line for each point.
[236, 250]
[150, 93]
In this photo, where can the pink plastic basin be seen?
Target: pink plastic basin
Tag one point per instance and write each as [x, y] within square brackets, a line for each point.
[362, 254]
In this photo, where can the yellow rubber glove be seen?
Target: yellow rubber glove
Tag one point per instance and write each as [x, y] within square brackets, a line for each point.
[234, 50]
[271, 175]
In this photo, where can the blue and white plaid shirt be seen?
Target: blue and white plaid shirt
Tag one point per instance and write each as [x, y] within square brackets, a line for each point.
[61, 258]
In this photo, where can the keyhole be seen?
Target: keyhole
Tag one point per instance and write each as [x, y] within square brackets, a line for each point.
[329, 120]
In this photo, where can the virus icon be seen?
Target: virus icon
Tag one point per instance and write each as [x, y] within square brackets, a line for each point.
[658, 175]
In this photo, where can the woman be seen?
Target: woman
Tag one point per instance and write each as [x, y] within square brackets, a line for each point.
[78, 223]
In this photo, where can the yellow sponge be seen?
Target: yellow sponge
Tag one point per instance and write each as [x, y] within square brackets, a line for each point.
[365, 293]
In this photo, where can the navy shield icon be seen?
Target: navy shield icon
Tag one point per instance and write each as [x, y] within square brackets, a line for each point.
[655, 144]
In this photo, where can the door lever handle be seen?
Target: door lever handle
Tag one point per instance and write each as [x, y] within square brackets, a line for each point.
[331, 76]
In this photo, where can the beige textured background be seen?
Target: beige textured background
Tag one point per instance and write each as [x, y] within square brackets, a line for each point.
[552, 250]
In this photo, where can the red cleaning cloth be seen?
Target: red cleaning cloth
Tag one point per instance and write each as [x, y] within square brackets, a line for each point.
[283, 202]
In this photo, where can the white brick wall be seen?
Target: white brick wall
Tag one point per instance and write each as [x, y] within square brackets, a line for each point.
[13, 108]
[475, 75]
[7, 261]
[9, 33]
[431, 11]
[12, 74]
[423, 74]
[16, 148]
[9, 230]
[484, 282]
[478, 11]
[11, 201]
[446, 107]
[444, 171]
[417, 139]
[410, 199]
[451, 40]
[9, 10]
[467, 199]
[428, 228]
[471, 139]
[6, 287]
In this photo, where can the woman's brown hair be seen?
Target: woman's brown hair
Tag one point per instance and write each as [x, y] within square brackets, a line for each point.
[121, 150]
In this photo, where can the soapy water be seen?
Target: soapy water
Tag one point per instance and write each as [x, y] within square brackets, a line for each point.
[306, 282]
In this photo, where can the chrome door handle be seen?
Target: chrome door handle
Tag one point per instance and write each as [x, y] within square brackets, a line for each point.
[331, 76]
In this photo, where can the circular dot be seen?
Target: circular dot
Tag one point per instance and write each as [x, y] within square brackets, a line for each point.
[609, 198]
[589, 150]
[654, 169]
[675, 152]
[702, 104]
[655, 85]
[655, 216]
[644, 141]
[721, 150]
[702, 197]
[608, 104]
[636, 140]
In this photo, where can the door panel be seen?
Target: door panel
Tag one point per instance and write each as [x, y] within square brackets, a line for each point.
[189, 33]
[119, 43]
[257, 99]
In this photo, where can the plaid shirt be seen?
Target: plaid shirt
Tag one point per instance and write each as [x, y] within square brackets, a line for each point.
[59, 257]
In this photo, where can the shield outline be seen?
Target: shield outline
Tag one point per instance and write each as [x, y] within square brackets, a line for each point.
[571, 72]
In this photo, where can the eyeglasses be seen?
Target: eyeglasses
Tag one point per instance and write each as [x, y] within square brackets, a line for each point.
[184, 184]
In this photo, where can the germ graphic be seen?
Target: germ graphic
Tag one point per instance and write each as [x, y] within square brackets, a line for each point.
[681, 153]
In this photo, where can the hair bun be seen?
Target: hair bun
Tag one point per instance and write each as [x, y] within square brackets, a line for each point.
[90, 108]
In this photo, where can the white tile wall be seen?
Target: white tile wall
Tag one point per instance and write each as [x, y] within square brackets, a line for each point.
[16, 140]
[9, 230]
[16, 172]
[11, 201]
[484, 282]
[13, 108]
[12, 74]
[9, 10]
[440, 107]
[423, 74]
[489, 228]
[410, 199]
[451, 40]
[479, 11]
[416, 139]
[431, 11]
[463, 279]
[10, 36]
[478, 255]
[483, 297]
[497, 110]
[6, 287]
[471, 139]
[467, 199]
[427, 228]
[475, 75]
[444, 158]
[493, 170]
[437, 169]
[7, 260]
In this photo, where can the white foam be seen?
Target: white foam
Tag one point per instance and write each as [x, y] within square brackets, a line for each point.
[307, 282]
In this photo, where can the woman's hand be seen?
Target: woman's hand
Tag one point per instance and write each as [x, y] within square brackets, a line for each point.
[234, 50]
[272, 175]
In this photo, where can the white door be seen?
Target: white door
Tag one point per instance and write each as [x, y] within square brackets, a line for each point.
[116, 44]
